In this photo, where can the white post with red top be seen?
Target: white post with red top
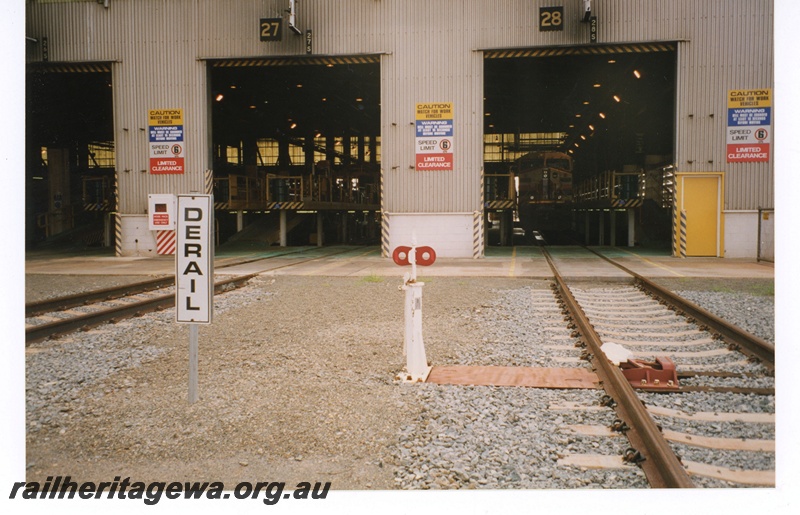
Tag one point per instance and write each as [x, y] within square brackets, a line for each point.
[413, 346]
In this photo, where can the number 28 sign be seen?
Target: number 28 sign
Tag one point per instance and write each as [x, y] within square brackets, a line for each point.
[551, 18]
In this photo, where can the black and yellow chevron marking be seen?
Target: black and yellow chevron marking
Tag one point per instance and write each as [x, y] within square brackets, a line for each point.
[221, 206]
[97, 206]
[637, 48]
[294, 60]
[633, 202]
[42, 67]
[284, 205]
[499, 204]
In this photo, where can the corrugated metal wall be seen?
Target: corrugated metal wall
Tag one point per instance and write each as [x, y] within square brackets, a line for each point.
[431, 53]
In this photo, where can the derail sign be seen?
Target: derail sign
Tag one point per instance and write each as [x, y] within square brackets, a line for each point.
[434, 136]
[194, 272]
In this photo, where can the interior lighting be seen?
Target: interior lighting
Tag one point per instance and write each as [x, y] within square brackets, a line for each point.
[612, 61]
[616, 98]
[252, 107]
[299, 85]
[359, 99]
[603, 116]
[583, 137]
[219, 97]
[293, 125]
[591, 127]
[596, 85]
[576, 145]
[578, 115]
[570, 151]
[586, 102]
[324, 99]
[637, 74]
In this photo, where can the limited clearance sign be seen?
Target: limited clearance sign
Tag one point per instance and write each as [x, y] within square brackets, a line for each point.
[749, 125]
[194, 272]
[167, 149]
[434, 138]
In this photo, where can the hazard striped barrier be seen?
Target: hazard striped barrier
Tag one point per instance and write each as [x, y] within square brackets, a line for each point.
[166, 241]
[284, 205]
[683, 234]
[477, 234]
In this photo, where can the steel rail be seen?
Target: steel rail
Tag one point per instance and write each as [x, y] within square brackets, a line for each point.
[83, 322]
[81, 299]
[115, 292]
[733, 335]
[660, 465]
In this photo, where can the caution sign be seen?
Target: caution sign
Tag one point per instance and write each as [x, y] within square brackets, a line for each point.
[166, 141]
[749, 132]
[434, 138]
[194, 271]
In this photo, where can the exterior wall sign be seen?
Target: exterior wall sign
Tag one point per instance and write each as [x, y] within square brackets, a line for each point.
[271, 29]
[749, 125]
[166, 141]
[551, 18]
[434, 136]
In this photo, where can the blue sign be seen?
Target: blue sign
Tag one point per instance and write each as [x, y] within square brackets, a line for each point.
[741, 116]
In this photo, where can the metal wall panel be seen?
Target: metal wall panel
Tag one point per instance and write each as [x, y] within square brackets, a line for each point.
[431, 51]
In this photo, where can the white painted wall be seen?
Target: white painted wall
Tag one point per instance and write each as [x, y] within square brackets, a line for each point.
[741, 234]
[140, 241]
[449, 234]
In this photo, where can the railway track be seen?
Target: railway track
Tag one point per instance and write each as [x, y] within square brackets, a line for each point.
[676, 441]
[52, 318]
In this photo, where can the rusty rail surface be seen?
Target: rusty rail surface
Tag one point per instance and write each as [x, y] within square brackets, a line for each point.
[734, 336]
[81, 299]
[658, 461]
[83, 322]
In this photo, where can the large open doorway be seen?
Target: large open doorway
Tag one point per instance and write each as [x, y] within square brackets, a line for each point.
[296, 146]
[69, 150]
[571, 134]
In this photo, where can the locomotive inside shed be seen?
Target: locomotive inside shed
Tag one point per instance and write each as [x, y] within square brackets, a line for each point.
[610, 112]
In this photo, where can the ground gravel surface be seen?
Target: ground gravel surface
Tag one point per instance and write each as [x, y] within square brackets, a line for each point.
[297, 383]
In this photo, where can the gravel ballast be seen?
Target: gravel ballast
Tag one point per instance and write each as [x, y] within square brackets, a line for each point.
[297, 383]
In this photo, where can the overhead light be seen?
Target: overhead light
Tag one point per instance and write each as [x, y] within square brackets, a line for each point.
[602, 116]
[359, 99]
[570, 151]
[572, 126]
[233, 86]
[318, 134]
[583, 137]
[252, 107]
[612, 61]
[299, 85]
[293, 125]
[219, 97]
[578, 115]
[586, 102]
[329, 65]
[591, 127]
[616, 98]
[324, 99]
[637, 74]
[596, 85]
[487, 114]
[576, 145]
